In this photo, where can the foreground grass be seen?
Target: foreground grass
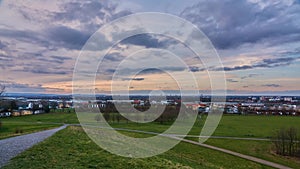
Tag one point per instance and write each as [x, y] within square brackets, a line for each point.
[72, 148]
[251, 126]
[230, 125]
[260, 149]
[14, 126]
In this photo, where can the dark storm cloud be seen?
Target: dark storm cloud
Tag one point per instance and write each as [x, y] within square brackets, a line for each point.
[67, 37]
[26, 36]
[81, 11]
[48, 60]
[250, 75]
[146, 40]
[52, 38]
[61, 58]
[57, 37]
[271, 85]
[151, 71]
[28, 87]
[232, 23]
[162, 70]
[55, 72]
[43, 69]
[90, 14]
[14, 85]
[196, 69]
[5, 58]
[276, 61]
[265, 63]
[244, 67]
[146, 71]
[2, 45]
[134, 79]
[295, 52]
[232, 80]
[113, 57]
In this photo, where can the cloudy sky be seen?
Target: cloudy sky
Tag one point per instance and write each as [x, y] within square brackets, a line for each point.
[258, 42]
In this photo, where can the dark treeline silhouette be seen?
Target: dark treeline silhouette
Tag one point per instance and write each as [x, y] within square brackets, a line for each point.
[111, 114]
[287, 142]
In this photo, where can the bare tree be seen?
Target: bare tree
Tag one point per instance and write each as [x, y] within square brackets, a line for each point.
[2, 89]
[287, 142]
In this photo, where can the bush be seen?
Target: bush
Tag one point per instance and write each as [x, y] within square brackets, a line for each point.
[18, 130]
[287, 142]
[98, 118]
[0, 124]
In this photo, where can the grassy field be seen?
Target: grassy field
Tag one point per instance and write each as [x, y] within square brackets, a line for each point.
[71, 148]
[230, 125]
[253, 125]
[260, 149]
[182, 155]
[14, 126]
[244, 127]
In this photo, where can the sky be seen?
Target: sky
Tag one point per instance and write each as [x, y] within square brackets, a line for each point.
[258, 42]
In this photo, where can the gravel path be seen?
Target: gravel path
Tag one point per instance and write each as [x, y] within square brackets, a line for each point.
[247, 157]
[11, 147]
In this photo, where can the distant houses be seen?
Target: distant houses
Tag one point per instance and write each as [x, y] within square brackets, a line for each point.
[21, 106]
[289, 106]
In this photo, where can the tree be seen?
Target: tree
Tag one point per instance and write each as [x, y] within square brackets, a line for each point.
[98, 118]
[46, 106]
[13, 105]
[106, 116]
[118, 116]
[2, 89]
[287, 142]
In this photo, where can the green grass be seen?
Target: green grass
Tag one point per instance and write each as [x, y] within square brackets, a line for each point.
[10, 129]
[230, 125]
[260, 149]
[14, 126]
[71, 148]
[253, 125]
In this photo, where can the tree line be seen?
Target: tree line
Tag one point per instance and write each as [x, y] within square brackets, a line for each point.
[110, 113]
[287, 142]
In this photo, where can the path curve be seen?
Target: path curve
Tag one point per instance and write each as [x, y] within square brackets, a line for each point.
[11, 147]
[247, 157]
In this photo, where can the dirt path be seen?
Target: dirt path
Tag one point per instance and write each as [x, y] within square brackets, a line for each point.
[11, 147]
[251, 158]
[247, 157]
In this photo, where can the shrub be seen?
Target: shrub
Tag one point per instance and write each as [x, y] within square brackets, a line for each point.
[287, 142]
[98, 118]
[18, 130]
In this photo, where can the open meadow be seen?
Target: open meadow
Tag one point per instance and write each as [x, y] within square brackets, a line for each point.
[72, 148]
[13, 126]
